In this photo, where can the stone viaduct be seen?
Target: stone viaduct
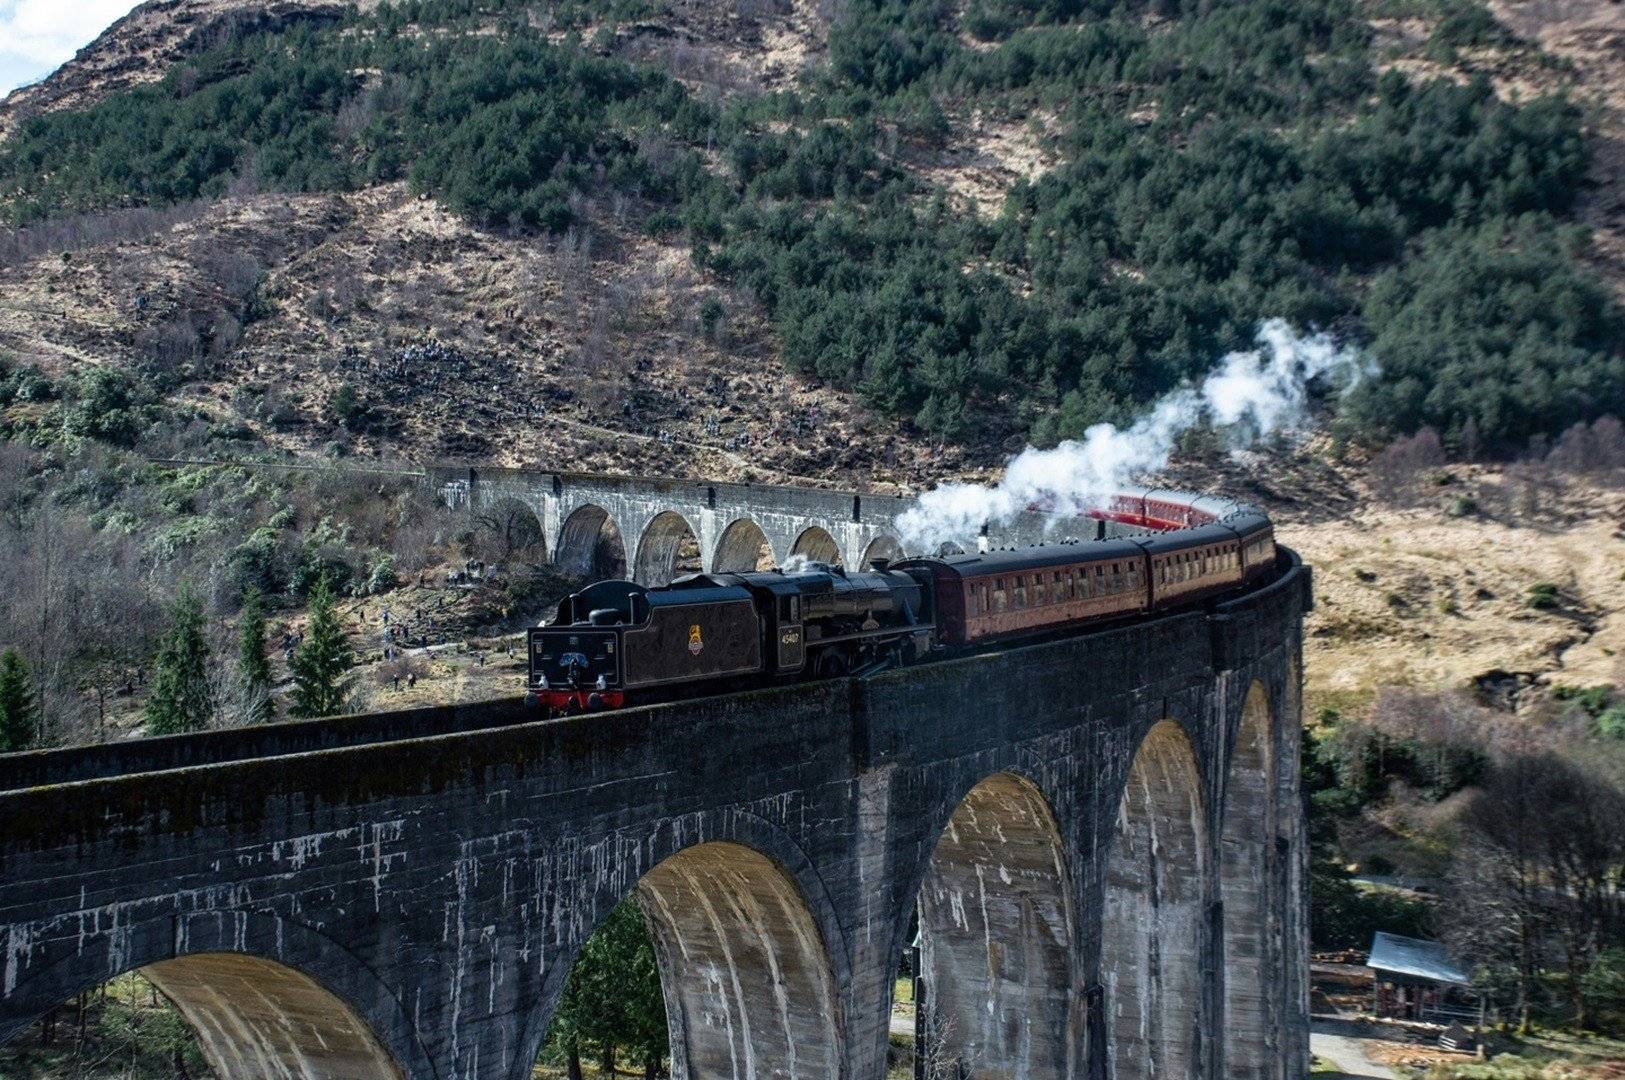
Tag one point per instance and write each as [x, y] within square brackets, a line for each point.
[1102, 837]
[651, 528]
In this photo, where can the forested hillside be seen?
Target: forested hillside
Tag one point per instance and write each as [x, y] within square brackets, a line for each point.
[1199, 167]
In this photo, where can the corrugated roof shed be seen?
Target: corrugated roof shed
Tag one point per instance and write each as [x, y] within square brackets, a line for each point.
[1416, 958]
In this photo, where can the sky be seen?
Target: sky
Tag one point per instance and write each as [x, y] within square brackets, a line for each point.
[36, 36]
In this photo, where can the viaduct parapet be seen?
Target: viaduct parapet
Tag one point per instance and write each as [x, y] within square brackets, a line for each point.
[1102, 837]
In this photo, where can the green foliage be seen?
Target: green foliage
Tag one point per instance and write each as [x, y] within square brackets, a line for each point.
[23, 384]
[509, 129]
[1467, 25]
[347, 406]
[1542, 596]
[106, 404]
[1611, 723]
[182, 699]
[612, 1001]
[1496, 327]
[1604, 980]
[1224, 162]
[130, 1031]
[1345, 915]
[1592, 699]
[319, 664]
[188, 135]
[253, 665]
[19, 704]
[380, 576]
[501, 129]
[1363, 762]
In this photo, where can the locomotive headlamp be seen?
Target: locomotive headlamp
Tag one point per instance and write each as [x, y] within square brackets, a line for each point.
[603, 682]
[541, 680]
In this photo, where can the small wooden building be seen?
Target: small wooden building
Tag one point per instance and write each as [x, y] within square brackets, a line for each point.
[1415, 979]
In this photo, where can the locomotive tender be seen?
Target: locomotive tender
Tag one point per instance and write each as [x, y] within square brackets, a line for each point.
[617, 643]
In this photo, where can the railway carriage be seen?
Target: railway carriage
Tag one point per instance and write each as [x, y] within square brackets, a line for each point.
[1027, 590]
[1192, 563]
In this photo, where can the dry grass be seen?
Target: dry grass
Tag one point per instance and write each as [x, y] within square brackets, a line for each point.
[1415, 597]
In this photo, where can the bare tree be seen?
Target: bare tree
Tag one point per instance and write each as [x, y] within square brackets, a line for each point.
[1537, 875]
[1398, 472]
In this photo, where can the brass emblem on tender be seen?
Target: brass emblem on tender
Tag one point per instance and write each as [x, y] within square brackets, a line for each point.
[695, 642]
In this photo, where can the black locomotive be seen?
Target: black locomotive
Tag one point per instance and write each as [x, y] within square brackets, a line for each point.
[618, 638]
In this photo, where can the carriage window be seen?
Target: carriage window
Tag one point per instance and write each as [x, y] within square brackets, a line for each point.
[1001, 597]
[1018, 594]
[1058, 586]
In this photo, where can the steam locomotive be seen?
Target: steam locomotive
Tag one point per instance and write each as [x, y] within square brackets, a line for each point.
[617, 643]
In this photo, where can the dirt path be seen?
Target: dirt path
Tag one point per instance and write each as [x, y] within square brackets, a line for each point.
[1347, 1052]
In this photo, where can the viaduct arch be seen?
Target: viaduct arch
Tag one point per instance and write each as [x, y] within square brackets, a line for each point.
[1075, 821]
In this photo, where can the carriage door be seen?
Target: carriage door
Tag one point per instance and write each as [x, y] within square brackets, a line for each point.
[792, 641]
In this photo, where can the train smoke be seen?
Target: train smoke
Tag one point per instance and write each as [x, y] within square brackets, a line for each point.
[1249, 396]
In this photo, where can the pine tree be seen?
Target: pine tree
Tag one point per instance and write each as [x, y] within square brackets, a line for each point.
[19, 704]
[182, 699]
[612, 999]
[319, 664]
[254, 668]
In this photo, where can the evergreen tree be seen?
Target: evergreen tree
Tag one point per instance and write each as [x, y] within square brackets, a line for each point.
[319, 664]
[254, 667]
[19, 704]
[612, 1000]
[182, 699]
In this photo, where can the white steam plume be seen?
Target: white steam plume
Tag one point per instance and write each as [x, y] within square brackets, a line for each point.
[1250, 395]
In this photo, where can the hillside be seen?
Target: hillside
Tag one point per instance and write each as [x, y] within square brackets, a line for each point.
[941, 230]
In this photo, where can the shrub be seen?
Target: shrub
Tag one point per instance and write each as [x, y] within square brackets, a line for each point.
[1541, 597]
